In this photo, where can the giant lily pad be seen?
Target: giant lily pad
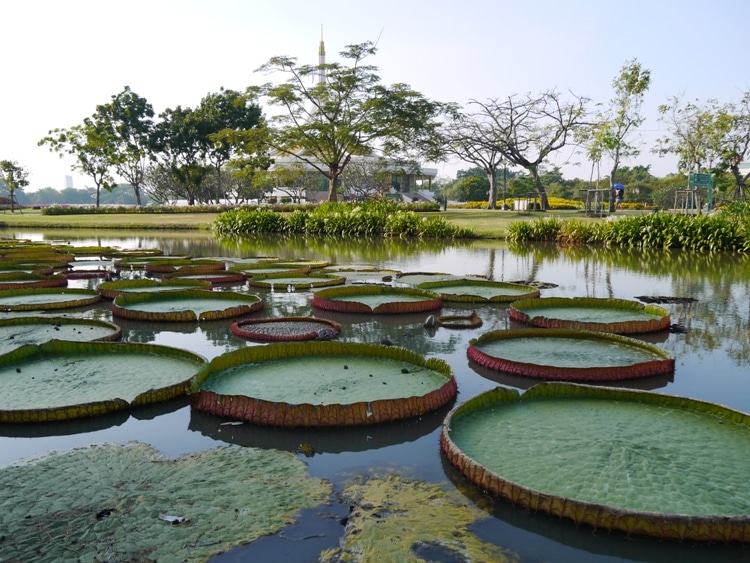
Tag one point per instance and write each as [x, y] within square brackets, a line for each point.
[620, 316]
[635, 461]
[475, 290]
[214, 277]
[60, 380]
[43, 299]
[19, 331]
[298, 281]
[283, 329]
[322, 384]
[376, 299]
[111, 289]
[131, 503]
[569, 355]
[26, 280]
[186, 305]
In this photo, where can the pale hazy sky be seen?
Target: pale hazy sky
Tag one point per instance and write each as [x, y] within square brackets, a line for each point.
[62, 58]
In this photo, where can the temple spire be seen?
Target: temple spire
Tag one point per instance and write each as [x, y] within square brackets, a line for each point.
[321, 58]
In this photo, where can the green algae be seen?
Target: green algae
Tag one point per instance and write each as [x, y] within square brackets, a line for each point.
[103, 503]
[393, 518]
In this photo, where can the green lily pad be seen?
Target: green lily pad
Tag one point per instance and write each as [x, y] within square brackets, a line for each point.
[635, 461]
[60, 380]
[28, 280]
[186, 305]
[322, 384]
[620, 316]
[110, 290]
[130, 503]
[569, 355]
[473, 290]
[43, 298]
[376, 299]
[19, 331]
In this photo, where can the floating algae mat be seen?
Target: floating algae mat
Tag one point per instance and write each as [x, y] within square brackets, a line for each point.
[398, 519]
[569, 355]
[130, 503]
[185, 305]
[322, 384]
[376, 299]
[635, 461]
[18, 331]
[620, 316]
[37, 299]
[474, 290]
[61, 380]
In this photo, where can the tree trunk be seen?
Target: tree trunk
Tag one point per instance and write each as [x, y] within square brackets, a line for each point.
[333, 180]
[541, 192]
[492, 201]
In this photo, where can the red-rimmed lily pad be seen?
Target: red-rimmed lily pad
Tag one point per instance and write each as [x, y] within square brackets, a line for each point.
[43, 299]
[140, 261]
[322, 384]
[19, 331]
[214, 277]
[569, 355]
[170, 266]
[298, 281]
[376, 299]
[371, 275]
[111, 289]
[61, 380]
[474, 290]
[640, 462]
[620, 316]
[26, 280]
[281, 329]
[186, 305]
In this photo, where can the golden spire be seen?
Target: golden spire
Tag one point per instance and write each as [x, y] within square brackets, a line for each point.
[321, 58]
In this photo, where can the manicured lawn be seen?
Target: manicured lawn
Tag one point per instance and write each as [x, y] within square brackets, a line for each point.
[486, 223]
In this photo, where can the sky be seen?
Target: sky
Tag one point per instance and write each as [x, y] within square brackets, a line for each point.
[60, 59]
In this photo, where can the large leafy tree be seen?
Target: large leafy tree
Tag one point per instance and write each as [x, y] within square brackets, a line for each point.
[129, 121]
[347, 112]
[732, 128]
[612, 133]
[219, 115]
[90, 145]
[526, 130]
[14, 177]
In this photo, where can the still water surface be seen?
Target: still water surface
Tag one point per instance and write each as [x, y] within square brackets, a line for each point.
[712, 360]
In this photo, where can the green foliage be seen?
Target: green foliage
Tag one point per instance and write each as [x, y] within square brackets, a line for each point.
[340, 219]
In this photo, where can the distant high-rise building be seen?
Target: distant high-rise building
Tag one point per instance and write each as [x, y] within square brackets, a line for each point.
[69, 181]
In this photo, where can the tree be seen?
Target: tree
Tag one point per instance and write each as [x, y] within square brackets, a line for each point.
[219, 115]
[470, 139]
[182, 151]
[366, 178]
[14, 177]
[347, 113]
[128, 118]
[527, 130]
[90, 145]
[610, 135]
[292, 179]
[733, 132]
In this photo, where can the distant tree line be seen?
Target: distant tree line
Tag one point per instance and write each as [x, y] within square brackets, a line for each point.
[332, 121]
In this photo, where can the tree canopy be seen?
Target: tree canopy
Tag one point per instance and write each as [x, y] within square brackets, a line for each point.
[14, 177]
[347, 112]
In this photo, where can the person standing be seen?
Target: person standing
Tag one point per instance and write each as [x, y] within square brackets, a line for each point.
[619, 195]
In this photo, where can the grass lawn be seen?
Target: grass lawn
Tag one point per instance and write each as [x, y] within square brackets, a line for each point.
[486, 223]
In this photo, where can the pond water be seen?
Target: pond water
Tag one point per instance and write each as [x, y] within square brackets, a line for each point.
[712, 357]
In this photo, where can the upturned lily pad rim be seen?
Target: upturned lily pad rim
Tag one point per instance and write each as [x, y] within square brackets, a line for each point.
[111, 289]
[20, 321]
[247, 303]
[468, 296]
[316, 280]
[343, 299]
[23, 280]
[243, 329]
[79, 298]
[272, 413]
[660, 525]
[63, 348]
[522, 310]
[593, 373]
[471, 320]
